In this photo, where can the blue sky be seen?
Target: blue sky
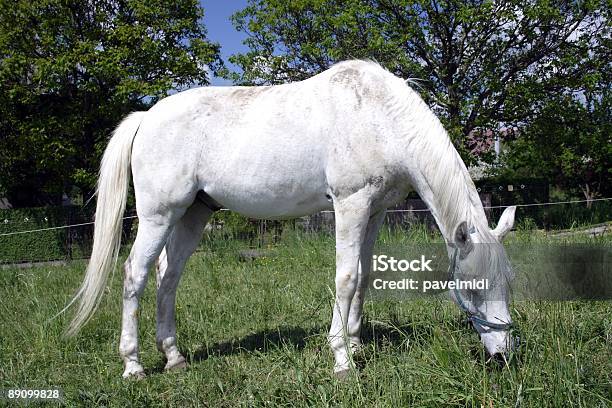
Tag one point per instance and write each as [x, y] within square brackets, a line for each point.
[217, 20]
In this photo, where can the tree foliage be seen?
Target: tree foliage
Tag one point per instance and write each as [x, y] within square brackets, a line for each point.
[482, 63]
[569, 143]
[70, 70]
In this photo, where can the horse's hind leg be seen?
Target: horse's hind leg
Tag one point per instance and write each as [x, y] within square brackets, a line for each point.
[181, 243]
[150, 239]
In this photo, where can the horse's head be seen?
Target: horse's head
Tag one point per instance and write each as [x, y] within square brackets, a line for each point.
[478, 256]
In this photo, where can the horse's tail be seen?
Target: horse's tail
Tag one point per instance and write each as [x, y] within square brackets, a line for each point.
[112, 194]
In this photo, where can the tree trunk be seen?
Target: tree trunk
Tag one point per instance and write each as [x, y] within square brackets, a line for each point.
[588, 194]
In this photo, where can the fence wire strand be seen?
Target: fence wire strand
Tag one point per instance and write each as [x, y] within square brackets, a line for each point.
[329, 211]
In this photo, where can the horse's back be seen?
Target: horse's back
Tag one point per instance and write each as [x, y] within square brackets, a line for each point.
[262, 151]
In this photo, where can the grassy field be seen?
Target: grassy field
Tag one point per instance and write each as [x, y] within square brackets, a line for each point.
[255, 334]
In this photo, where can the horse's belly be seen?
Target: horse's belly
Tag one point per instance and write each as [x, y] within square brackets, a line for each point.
[267, 201]
[272, 189]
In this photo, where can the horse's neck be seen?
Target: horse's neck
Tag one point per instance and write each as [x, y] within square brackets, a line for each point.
[443, 182]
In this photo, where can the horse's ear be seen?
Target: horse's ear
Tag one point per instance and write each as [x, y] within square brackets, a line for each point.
[463, 239]
[506, 221]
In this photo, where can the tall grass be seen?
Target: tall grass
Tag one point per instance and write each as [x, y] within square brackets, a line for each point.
[255, 335]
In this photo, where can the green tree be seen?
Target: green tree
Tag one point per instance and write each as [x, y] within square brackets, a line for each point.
[570, 143]
[70, 70]
[473, 56]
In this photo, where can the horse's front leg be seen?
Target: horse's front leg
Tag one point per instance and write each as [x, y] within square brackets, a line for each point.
[365, 266]
[352, 215]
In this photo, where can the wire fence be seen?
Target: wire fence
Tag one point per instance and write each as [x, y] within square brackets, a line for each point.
[73, 240]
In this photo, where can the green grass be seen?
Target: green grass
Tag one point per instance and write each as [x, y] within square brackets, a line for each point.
[255, 334]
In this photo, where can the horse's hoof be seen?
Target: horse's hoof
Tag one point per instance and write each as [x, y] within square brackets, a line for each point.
[178, 364]
[342, 375]
[134, 374]
[134, 370]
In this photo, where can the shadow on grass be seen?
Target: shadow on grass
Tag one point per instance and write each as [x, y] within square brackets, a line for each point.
[394, 334]
[262, 342]
[259, 342]
[379, 334]
[297, 338]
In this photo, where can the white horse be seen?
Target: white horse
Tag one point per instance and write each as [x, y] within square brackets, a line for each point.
[355, 139]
